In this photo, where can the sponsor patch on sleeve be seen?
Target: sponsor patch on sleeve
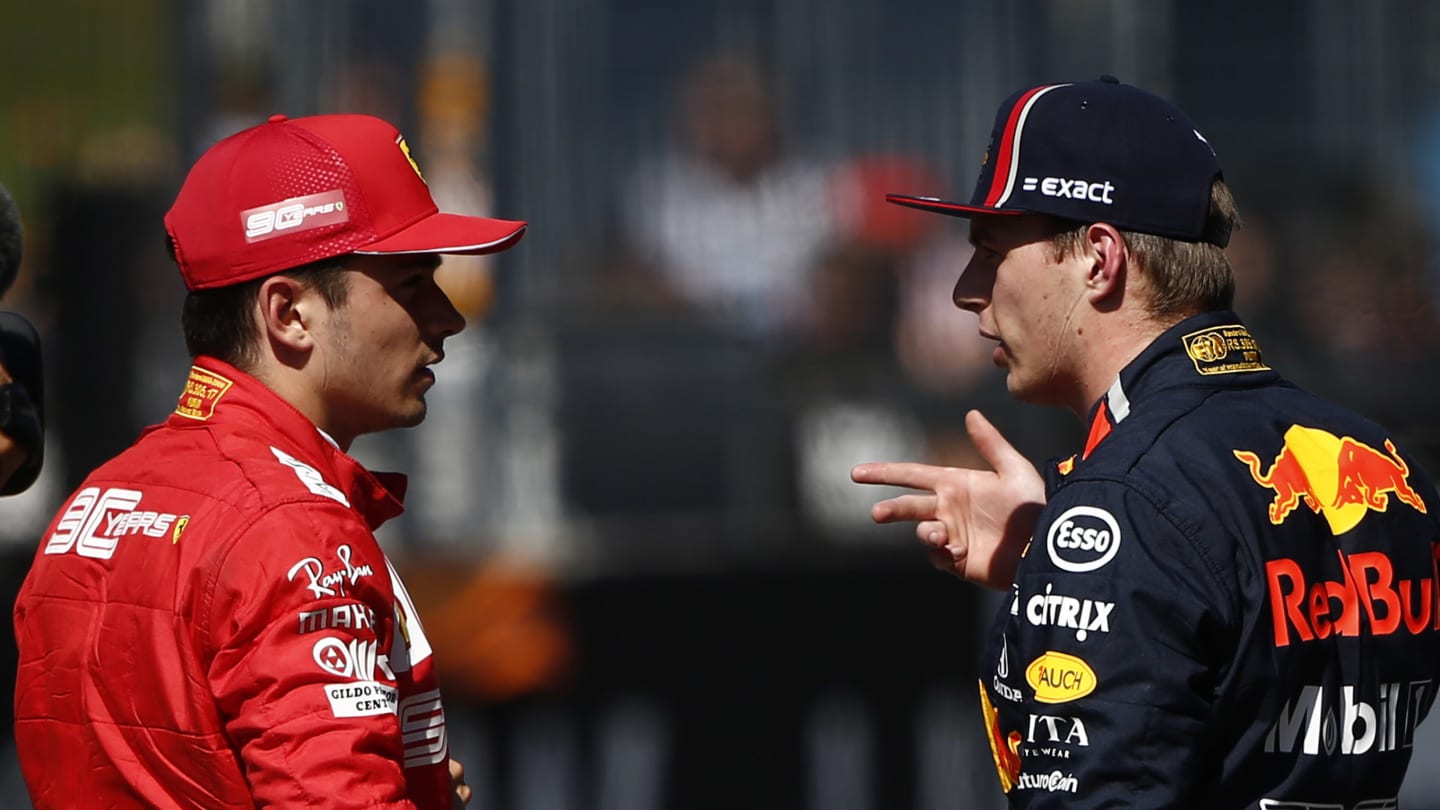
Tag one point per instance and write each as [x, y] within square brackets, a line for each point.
[1058, 677]
[1083, 538]
[361, 698]
[1224, 350]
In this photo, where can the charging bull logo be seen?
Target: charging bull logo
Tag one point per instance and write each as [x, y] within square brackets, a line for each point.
[1004, 747]
[1340, 478]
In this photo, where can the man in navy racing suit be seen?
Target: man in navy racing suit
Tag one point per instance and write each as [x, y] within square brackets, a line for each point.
[1229, 598]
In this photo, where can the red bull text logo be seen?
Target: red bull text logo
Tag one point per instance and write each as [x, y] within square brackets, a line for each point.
[1339, 478]
[1367, 588]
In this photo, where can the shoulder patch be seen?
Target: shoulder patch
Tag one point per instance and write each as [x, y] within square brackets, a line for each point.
[1225, 349]
[1059, 677]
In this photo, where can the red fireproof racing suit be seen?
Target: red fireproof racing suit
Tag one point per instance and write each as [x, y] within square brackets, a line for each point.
[210, 623]
[1231, 599]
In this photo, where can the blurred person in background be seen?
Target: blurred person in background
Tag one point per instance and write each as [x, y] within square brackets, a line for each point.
[209, 620]
[1366, 329]
[22, 431]
[1229, 597]
[108, 298]
[727, 224]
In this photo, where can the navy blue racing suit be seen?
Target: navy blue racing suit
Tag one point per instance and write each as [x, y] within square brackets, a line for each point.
[1231, 598]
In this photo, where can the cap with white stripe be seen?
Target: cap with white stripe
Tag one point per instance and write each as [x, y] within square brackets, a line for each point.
[1095, 151]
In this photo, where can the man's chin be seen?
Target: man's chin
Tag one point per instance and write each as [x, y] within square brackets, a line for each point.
[410, 417]
[415, 416]
[1024, 390]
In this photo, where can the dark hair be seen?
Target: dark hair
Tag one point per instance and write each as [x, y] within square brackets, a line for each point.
[220, 322]
[12, 235]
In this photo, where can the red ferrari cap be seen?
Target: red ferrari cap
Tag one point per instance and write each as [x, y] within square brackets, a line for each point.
[290, 192]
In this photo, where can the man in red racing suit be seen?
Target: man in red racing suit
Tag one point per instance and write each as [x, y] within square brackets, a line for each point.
[209, 621]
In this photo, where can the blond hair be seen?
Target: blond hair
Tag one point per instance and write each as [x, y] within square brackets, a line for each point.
[1185, 278]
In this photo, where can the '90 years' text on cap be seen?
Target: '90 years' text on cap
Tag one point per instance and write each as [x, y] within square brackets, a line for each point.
[293, 191]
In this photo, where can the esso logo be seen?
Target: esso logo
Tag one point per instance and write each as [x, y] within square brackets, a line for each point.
[1084, 538]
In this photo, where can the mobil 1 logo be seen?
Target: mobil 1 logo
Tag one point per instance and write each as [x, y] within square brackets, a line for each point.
[1083, 538]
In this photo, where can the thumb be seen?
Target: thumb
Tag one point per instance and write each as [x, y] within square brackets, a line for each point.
[993, 447]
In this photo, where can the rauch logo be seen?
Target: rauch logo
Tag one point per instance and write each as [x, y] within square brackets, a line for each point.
[1059, 678]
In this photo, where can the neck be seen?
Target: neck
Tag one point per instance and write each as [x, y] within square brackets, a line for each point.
[291, 385]
[1115, 344]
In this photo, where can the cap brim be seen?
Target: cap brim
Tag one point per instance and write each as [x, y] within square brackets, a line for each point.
[954, 209]
[450, 233]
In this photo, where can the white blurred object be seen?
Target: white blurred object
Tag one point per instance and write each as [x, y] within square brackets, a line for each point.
[833, 435]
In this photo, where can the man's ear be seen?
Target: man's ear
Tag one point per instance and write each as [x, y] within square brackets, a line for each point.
[1108, 261]
[289, 311]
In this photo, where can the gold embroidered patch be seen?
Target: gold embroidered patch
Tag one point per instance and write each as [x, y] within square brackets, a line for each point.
[202, 393]
[1224, 350]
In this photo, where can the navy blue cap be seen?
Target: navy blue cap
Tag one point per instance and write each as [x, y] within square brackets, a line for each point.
[1096, 151]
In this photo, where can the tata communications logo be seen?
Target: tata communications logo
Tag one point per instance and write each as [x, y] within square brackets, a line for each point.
[1082, 539]
[1340, 478]
[294, 215]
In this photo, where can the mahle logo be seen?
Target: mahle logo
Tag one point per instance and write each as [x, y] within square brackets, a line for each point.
[1340, 478]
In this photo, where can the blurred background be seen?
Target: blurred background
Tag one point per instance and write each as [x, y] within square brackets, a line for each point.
[631, 530]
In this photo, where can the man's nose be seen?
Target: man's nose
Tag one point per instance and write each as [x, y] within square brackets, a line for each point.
[447, 319]
[972, 289]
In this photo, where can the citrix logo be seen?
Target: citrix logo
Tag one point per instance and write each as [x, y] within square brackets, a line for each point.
[1080, 615]
[1073, 189]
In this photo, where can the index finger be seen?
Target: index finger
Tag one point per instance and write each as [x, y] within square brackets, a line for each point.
[898, 473]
